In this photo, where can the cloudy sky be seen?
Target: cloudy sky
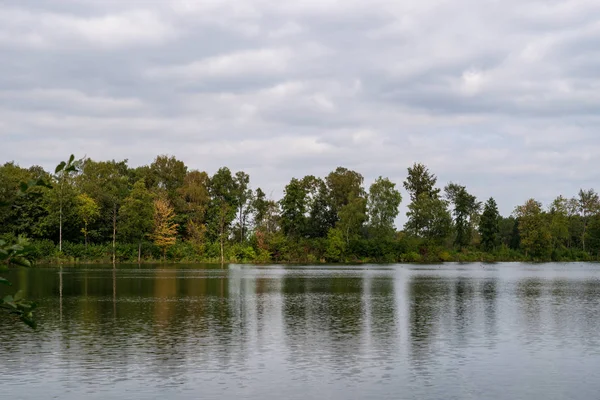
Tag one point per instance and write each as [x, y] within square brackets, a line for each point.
[502, 96]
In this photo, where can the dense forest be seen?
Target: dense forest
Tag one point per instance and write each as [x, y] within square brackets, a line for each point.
[106, 211]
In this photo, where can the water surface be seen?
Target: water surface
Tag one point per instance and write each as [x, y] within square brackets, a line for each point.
[502, 331]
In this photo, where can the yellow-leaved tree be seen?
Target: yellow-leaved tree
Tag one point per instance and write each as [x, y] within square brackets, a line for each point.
[165, 230]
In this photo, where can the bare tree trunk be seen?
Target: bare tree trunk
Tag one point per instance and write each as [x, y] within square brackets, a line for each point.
[241, 227]
[140, 252]
[85, 234]
[114, 243]
[60, 228]
[222, 251]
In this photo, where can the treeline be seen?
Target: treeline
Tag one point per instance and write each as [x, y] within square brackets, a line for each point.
[99, 211]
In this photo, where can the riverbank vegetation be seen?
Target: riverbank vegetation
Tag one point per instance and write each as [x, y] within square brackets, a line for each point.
[107, 211]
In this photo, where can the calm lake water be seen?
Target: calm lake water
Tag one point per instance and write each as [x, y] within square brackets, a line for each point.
[502, 331]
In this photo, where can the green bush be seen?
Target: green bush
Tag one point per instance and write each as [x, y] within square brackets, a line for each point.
[412, 257]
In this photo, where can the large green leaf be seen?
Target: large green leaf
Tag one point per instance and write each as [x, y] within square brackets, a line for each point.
[60, 167]
[4, 281]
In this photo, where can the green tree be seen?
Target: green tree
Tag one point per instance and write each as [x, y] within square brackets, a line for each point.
[136, 215]
[428, 215]
[107, 183]
[466, 208]
[222, 206]
[489, 225]
[293, 209]
[352, 217]
[588, 204]
[336, 245]
[343, 186]
[62, 175]
[243, 195]
[196, 199]
[559, 221]
[383, 203]
[420, 181]
[88, 211]
[166, 173]
[534, 230]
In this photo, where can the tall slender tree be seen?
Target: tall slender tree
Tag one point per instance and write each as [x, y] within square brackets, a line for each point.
[223, 206]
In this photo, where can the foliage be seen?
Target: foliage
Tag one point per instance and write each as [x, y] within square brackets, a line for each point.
[466, 208]
[382, 206]
[221, 218]
[88, 211]
[164, 231]
[489, 226]
[534, 230]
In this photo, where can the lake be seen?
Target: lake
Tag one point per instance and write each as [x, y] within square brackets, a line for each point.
[452, 331]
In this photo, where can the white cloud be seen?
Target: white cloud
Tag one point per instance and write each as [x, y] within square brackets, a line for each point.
[503, 98]
[249, 62]
[52, 30]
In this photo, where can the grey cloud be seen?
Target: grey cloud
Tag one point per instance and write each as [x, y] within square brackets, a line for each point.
[500, 96]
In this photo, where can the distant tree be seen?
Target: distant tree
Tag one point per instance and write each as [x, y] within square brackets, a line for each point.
[222, 206]
[136, 215]
[195, 198]
[489, 225]
[588, 204]
[420, 181]
[343, 186]
[465, 211]
[107, 183]
[62, 174]
[243, 197]
[165, 230]
[336, 245]
[384, 201]
[293, 209]
[534, 230]
[428, 215]
[428, 218]
[88, 211]
[351, 217]
[166, 173]
[559, 221]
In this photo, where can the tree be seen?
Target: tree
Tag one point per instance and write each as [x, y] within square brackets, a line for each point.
[588, 204]
[195, 196]
[428, 215]
[559, 221]
[420, 181]
[382, 206]
[465, 210]
[136, 215]
[336, 245]
[343, 186]
[534, 230]
[294, 209]
[489, 225]
[351, 217]
[243, 195]
[107, 183]
[88, 211]
[62, 173]
[166, 173]
[165, 230]
[222, 206]
[320, 213]
[428, 218]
